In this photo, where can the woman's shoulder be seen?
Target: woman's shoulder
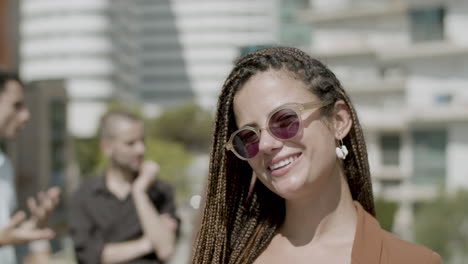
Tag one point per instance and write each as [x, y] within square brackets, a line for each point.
[400, 251]
[372, 244]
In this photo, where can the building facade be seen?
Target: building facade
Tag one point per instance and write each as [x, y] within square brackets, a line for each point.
[70, 41]
[404, 64]
[188, 47]
[155, 53]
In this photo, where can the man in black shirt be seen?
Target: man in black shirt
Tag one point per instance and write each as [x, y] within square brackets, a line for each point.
[128, 215]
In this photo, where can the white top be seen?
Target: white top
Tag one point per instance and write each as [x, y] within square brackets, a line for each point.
[7, 204]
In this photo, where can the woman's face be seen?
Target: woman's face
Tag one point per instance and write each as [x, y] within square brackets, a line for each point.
[296, 166]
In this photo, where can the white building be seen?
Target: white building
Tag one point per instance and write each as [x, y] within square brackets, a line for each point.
[69, 40]
[405, 64]
[209, 36]
[158, 53]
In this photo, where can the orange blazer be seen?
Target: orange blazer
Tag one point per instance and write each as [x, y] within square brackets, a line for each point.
[373, 245]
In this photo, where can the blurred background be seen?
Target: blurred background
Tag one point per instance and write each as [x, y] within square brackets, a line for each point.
[404, 63]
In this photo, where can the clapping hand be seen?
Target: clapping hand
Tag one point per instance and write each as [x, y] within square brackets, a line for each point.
[20, 229]
[41, 207]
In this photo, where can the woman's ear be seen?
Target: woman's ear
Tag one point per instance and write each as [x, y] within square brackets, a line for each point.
[341, 118]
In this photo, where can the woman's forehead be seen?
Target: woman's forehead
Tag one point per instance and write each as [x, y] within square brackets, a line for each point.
[266, 91]
[273, 86]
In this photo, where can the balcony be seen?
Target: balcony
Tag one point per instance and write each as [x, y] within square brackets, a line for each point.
[352, 52]
[353, 13]
[412, 193]
[375, 87]
[434, 49]
[389, 120]
[439, 114]
[389, 173]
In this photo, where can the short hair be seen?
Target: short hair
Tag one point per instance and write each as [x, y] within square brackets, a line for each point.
[109, 120]
[6, 76]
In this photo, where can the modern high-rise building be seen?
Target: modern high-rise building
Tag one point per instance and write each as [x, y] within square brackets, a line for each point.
[147, 52]
[155, 53]
[178, 50]
[292, 32]
[70, 41]
[211, 32]
[405, 64]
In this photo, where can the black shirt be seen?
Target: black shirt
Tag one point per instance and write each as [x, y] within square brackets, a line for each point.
[98, 217]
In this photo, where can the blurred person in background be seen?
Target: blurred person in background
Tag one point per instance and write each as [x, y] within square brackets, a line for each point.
[128, 214]
[284, 118]
[19, 228]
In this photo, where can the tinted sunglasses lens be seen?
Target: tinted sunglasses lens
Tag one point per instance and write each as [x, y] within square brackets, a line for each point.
[284, 124]
[245, 143]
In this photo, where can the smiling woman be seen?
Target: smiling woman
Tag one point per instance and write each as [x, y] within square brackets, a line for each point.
[284, 118]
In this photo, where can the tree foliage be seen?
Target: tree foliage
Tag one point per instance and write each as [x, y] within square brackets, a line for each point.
[386, 211]
[174, 160]
[442, 225]
[187, 124]
[88, 155]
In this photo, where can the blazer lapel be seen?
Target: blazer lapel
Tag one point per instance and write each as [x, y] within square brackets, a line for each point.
[367, 246]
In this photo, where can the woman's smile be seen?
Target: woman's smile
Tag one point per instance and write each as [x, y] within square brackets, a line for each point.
[280, 166]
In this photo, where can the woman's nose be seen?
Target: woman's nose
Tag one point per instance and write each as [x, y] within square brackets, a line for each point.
[268, 144]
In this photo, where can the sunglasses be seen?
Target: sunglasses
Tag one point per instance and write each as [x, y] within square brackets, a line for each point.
[283, 123]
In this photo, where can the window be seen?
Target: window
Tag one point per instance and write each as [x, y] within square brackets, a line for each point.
[427, 24]
[390, 145]
[57, 122]
[251, 48]
[429, 156]
[390, 183]
[443, 99]
[293, 32]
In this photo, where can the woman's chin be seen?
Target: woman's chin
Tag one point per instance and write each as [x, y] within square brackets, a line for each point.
[288, 188]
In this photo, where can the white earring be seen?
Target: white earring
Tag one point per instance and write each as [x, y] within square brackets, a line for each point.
[341, 151]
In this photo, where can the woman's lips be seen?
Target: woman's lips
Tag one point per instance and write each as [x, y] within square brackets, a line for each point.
[283, 165]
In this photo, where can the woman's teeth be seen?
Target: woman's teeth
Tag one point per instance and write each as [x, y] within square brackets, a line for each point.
[283, 163]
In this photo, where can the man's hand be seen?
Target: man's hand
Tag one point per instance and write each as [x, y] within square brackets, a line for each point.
[149, 170]
[18, 231]
[41, 208]
[169, 221]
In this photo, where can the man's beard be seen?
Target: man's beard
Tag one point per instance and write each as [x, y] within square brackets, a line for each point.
[127, 168]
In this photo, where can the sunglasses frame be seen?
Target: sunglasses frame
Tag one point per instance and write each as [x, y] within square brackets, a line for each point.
[298, 108]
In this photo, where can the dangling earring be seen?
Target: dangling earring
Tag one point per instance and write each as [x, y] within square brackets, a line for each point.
[341, 151]
[252, 184]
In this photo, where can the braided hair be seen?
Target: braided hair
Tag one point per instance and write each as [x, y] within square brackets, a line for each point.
[235, 229]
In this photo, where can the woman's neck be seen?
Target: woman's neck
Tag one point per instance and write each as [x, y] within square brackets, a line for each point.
[327, 217]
